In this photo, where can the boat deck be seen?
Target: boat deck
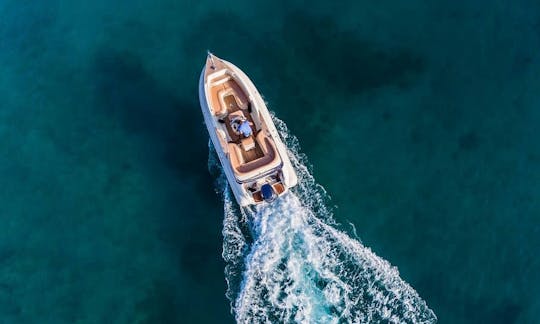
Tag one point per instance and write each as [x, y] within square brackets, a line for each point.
[228, 101]
[228, 98]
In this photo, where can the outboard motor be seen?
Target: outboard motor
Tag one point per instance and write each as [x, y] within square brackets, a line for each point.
[268, 193]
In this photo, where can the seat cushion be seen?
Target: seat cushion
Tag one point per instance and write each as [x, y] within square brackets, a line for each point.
[248, 143]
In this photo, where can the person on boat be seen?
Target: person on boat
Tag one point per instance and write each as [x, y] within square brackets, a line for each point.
[241, 126]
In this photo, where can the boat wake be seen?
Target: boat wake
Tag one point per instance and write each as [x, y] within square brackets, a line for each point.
[287, 262]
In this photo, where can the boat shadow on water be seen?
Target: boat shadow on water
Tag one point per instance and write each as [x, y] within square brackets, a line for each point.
[170, 130]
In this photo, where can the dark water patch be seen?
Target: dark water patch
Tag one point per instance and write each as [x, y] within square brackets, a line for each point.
[128, 93]
[469, 141]
[506, 312]
[174, 144]
[422, 135]
[487, 310]
[522, 62]
[172, 125]
[6, 254]
[234, 42]
[533, 158]
[159, 305]
[314, 65]
[198, 253]
[342, 64]
[386, 116]
[346, 62]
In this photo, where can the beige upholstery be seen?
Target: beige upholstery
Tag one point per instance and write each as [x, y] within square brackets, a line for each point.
[248, 143]
[218, 109]
[220, 90]
[248, 170]
[267, 148]
[237, 114]
[235, 156]
[238, 92]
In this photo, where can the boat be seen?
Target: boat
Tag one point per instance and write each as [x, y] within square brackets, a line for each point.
[241, 129]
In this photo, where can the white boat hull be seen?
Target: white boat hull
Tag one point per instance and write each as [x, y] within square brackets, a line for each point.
[288, 175]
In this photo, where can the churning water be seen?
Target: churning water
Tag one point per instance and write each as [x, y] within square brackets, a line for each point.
[288, 262]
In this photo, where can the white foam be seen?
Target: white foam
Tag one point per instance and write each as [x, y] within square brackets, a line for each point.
[286, 261]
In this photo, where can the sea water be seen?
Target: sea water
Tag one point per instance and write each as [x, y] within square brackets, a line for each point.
[287, 261]
[420, 118]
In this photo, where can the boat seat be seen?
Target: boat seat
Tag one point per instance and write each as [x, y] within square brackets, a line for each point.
[269, 160]
[235, 156]
[221, 87]
[267, 145]
[248, 143]
[220, 79]
[237, 114]
[230, 100]
[218, 109]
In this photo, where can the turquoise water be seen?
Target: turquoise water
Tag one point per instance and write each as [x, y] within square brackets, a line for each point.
[419, 119]
[288, 262]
